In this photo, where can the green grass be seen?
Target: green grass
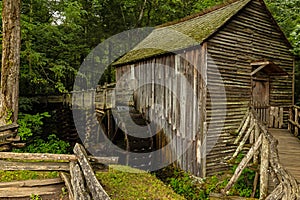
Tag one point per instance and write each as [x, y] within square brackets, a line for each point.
[122, 182]
[7, 176]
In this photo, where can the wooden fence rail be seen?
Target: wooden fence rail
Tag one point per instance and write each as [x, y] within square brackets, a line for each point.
[81, 181]
[265, 144]
[294, 120]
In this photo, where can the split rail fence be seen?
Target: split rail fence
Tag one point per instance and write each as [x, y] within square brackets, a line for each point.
[263, 146]
[75, 170]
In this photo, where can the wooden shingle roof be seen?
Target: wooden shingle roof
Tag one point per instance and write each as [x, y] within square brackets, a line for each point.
[183, 34]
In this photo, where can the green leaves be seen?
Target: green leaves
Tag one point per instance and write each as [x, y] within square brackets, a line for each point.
[58, 35]
[295, 39]
[53, 45]
[51, 145]
[30, 124]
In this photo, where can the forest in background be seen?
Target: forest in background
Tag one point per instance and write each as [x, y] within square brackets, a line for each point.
[58, 34]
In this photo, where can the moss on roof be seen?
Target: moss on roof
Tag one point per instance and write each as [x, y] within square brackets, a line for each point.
[184, 34]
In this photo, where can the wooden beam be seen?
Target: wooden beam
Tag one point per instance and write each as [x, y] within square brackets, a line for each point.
[38, 166]
[257, 63]
[294, 123]
[55, 157]
[93, 184]
[67, 179]
[31, 183]
[296, 107]
[103, 160]
[78, 183]
[242, 129]
[242, 143]
[26, 192]
[8, 127]
[37, 156]
[277, 193]
[243, 121]
[258, 69]
[242, 165]
[255, 182]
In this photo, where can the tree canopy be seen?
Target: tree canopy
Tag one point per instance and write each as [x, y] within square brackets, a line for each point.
[58, 34]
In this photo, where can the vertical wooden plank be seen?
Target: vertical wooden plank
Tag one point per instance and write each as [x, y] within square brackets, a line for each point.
[178, 103]
[290, 118]
[203, 150]
[170, 94]
[153, 88]
[264, 168]
[145, 87]
[172, 101]
[166, 89]
[184, 113]
[139, 90]
[276, 116]
[195, 108]
[271, 123]
[293, 82]
[146, 77]
[296, 133]
[280, 117]
[199, 117]
[174, 96]
[187, 110]
[203, 105]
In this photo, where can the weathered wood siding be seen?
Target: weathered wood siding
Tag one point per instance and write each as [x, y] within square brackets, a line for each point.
[249, 36]
[177, 123]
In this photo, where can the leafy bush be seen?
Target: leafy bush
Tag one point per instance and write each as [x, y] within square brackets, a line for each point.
[244, 185]
[30, 124]
[31, 130]
[51, 145]
[181, 182]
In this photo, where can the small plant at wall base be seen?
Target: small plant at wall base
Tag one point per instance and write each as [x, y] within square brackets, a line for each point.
[191, 187]
[244, 185]
[182, 182]
[183, 185]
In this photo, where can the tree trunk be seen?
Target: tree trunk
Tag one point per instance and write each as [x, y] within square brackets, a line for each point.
[11, 45]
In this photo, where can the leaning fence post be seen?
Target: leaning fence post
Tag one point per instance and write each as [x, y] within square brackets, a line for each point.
[93, 184]
[242, 165]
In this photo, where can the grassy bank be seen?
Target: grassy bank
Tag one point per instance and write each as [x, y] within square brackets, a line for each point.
[122, 182]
